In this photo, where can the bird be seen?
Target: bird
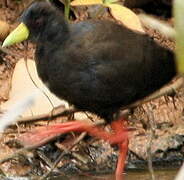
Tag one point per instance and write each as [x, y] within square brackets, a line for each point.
[98, 66]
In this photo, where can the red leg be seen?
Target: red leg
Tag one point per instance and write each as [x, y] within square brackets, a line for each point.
[119, 126]
[123, 149]
[41, 135]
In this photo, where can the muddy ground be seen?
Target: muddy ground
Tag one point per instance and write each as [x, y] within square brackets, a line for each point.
[92, 155]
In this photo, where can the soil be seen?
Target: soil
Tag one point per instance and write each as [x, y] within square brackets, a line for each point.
[92, 155]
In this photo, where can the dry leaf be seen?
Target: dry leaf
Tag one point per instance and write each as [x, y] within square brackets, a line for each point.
[126, 16]
[22, 86]
[4, 30]
[85, 2]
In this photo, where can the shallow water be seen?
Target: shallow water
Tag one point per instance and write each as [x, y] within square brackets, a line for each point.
[159, 175]
[130, 175]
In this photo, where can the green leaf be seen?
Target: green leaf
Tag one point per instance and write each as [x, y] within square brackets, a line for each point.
[109, 1]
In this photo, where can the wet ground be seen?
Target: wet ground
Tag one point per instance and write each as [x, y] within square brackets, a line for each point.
[130, 175]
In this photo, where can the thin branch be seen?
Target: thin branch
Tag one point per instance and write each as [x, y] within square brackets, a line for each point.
[31, 147]
[66, 151]
[60, 112]
[169, 89]
[53, 114]
[150, 139]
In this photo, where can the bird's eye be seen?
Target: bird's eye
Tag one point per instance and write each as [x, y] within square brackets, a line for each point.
[39, 21]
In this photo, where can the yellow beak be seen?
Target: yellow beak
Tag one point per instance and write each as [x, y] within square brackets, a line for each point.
[20, 34]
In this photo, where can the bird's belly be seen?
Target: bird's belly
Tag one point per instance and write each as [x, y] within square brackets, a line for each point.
[95, 100]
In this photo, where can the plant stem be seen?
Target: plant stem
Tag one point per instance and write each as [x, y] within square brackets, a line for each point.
[67, 9]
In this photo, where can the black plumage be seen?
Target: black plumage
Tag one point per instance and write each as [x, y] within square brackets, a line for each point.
[96, 65]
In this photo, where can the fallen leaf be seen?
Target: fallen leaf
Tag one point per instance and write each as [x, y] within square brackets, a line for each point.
[22, 85]
[85, 2]
[125, 16]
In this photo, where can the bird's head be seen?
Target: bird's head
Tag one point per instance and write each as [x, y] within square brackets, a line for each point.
[39, 22]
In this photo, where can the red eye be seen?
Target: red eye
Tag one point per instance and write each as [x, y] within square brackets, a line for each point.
[39, 21]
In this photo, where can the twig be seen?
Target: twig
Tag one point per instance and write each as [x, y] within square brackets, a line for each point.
[66, 151]
[60, 112]
[27, 148]
[89, 117]
[151, 137]
[29, 73]
[45, 158]
[77, 156]
[169, 89]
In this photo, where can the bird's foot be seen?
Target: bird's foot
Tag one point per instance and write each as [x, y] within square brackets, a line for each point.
[41, 135]
[120, 126]
[119, 136]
